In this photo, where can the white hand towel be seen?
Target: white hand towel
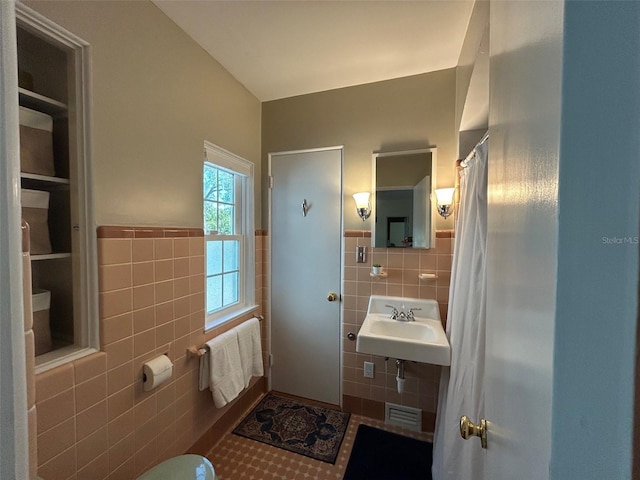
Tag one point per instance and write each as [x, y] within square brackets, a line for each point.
[250, 350]
[203, 379]
[225, 369]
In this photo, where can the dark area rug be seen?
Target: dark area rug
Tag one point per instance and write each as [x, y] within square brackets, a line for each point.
[380, 455]
[309, 430]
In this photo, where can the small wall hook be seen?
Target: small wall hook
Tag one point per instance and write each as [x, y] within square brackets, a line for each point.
[305, 207]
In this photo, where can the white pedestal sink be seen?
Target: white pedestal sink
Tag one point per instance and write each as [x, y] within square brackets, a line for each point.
[420, 340]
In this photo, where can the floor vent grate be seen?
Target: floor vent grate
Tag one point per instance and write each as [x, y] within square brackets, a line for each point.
[406, 417]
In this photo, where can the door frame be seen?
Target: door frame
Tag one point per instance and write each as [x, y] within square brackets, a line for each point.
[270, 155]
[14, 454]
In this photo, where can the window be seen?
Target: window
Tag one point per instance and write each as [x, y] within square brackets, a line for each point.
[229, 235]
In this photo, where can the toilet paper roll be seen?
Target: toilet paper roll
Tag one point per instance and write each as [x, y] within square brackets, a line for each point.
[156, 372]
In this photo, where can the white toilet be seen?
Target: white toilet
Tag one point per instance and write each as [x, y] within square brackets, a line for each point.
[182, 467]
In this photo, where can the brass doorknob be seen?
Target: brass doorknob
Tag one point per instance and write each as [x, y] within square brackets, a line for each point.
[332, 297]
[468, 429]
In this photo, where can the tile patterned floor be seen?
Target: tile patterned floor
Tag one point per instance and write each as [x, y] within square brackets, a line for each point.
[239, 458]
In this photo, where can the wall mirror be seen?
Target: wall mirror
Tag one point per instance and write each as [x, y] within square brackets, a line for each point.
[403, 212]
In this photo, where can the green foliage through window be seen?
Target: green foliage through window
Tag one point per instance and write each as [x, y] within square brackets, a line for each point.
[219, 200]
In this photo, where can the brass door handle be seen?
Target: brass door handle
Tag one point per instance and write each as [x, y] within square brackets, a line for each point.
[332, 297]
[468, 429]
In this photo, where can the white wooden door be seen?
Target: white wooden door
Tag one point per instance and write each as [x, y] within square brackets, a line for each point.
[305, 269]
[522, 231]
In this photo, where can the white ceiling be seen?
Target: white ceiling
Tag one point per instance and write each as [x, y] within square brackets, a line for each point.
[280, 49]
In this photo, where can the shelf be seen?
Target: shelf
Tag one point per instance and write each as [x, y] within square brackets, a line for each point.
[44, 178]
[50, 256]
[43, 182]
[43, 104]
[378, 275]
[427, 276]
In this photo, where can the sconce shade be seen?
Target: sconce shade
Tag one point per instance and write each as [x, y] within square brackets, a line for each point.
[444, 196]
[363, 206]
[362, 199]
[444, 201]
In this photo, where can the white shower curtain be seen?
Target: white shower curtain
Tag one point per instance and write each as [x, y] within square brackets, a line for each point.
[461, 384]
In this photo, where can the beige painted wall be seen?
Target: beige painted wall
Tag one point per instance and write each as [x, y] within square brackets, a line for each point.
[157, 96]
[478, 23]
[403, 114]
[402, 170]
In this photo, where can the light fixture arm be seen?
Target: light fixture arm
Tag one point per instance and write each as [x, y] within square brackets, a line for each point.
[364, 212]
[445, 210]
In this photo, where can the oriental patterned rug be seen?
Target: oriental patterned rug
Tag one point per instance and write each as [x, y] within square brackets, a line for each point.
[308, 430]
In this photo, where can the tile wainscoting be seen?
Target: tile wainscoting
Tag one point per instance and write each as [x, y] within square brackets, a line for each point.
[94, 420]
[367, 396]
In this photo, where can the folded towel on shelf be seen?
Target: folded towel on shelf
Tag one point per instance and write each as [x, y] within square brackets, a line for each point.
[250, 349]
[226, 379]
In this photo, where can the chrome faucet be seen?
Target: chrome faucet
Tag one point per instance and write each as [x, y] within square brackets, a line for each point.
[410, 316]
[394, 312]
[402, 316]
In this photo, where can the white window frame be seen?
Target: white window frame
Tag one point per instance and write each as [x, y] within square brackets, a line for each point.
[245, 231]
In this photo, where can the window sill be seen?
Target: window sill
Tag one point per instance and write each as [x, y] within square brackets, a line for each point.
[62, 356]
[235, 314]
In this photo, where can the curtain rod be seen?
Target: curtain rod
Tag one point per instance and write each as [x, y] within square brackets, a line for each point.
[484, 138]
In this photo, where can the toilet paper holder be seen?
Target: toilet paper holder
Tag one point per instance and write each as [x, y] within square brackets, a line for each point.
[156, 371]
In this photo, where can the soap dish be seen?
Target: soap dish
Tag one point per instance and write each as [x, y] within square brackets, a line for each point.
[427, 276]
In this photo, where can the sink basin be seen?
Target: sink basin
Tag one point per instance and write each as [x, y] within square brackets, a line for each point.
[392, 328]
[422, 340]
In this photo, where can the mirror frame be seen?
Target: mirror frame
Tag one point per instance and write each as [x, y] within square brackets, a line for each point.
[433, 150]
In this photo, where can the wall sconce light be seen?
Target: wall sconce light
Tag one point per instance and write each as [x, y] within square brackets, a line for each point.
[363, 206]
[444, 201]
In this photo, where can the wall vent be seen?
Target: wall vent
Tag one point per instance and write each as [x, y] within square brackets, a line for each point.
[405, 417]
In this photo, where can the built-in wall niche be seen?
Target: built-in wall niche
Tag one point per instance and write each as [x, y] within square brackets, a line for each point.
[403, 182]
[42, 67]
[53, 67]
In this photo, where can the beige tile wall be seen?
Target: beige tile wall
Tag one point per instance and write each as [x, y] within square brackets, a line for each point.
[94, 419]
[403, 267]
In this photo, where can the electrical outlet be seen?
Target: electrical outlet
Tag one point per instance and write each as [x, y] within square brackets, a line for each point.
[368, 369]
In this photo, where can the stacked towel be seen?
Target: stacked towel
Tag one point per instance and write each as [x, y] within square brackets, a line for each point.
[226, 378]
[250, 350]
